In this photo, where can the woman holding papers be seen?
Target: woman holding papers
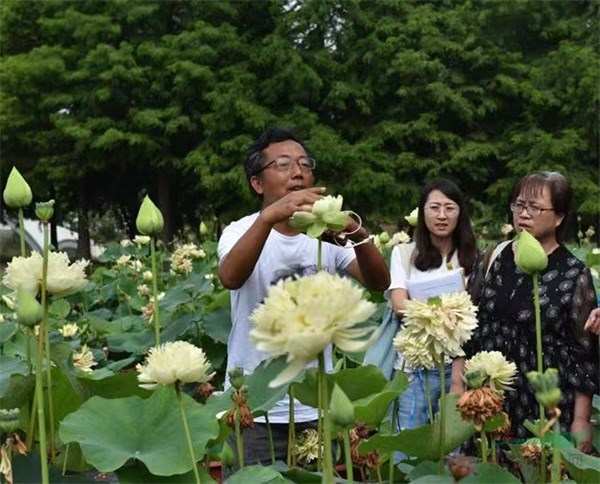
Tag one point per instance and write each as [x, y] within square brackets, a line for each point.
[443, 254]
[540, 204]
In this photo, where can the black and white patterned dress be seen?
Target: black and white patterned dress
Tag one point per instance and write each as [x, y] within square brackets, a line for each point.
[507, 324]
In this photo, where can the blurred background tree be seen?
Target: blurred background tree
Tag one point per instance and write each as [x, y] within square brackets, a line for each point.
[102, 102]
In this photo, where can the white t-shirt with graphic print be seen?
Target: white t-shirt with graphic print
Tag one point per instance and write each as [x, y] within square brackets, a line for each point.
[282, 256]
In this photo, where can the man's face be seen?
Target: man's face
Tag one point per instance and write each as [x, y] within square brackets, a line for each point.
[272, 183]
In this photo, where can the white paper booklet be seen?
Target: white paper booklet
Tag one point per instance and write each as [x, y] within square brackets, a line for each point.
[445, 283]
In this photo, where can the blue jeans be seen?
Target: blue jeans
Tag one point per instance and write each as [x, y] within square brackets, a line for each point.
[414, 410]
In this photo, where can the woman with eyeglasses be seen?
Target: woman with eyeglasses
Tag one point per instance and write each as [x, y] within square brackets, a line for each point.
[444, 242]
[540, 204]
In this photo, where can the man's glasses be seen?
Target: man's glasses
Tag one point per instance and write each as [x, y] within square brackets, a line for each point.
[532, 210]
[284, 163]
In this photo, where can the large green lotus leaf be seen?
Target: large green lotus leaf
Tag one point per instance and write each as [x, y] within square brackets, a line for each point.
[583, 467]
[423, 441]
[19, 392]
[10, 366]
[118, 385]
[136, 342]
[7, 331]
[371, 380]
[67, 394]
[256, 475]
[176, 327]
[110, 432]
[373, 408]
[488, 472]
[138, 474]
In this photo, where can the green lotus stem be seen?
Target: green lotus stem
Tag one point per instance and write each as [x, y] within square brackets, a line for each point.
[270, 435]
[393, 427]
[442, 367]
[348, 456]
[291, 457]
[319, 425]
[540, 360]
[39, 395]
[556, 459]
[155, 292]
[324, 404]
[23, 254]
[33, 419]
[239, 440]
[188, 435]
[64, 467]
[428, 394]
[319, 254]
[45, 335]
[493, 444]
[484, 446]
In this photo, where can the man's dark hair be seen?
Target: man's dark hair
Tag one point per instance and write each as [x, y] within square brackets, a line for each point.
[255, 156]
[463, 239]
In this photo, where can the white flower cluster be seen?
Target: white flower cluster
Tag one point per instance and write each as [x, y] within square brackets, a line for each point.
[493, 370]
[63, 278]
[174, 362]
[181, 260]
[436, 327]
[301, 317]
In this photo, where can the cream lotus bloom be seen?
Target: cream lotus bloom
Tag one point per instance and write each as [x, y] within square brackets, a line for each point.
[326, 214]
[63, 278]
[301, 317]
[398, 238]
[174, 362]
[147, 276]
[441, 325]
[69, 330]
[141, 239]
[84, 359]
[506, 229]
[413, 217]
[493, 368]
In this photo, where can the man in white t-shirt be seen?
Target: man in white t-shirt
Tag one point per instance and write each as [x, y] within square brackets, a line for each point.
[262, 248]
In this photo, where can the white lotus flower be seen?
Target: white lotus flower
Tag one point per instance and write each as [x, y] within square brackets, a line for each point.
[416, 350]
[398, 238]
[413, 217]
[327, 204]
[69, 330]
[301, 317]
[326, 214]
[141, 239]
[506, 229]
[147, 276]
[63, 278]
[123, 260]
[125, 243]
[143, 290]
[493, 368]
[84, 359]
[174, 362]
[440, 325]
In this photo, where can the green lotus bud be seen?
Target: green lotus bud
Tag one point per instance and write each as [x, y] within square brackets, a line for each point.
[413, 217]
[302, 220]
[203, 229]
[9, 420]
[149, 220]
[17, 193]
[384, 237]
[530, 256]
[335, 220]
[44, 210]
[29, 310]
[341, 408]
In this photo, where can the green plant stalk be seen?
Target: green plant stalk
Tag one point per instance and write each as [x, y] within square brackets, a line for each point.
[393, 427]
[442, 367]
[270, 435]
[32, 420]
[540, 361]
[45, 334]
[155, 292]
[64, 467]
[291, 457]
[23, 254]
[493, 446]
[319, 255]
[324, 404]
[348, 456]
[188, 435]
[319, 425]
[556, 459]
[239, 442]
[39, 395]
[484, 446]
[428, 394]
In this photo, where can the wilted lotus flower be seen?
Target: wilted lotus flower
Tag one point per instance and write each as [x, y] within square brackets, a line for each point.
[174, 362]
[149, 220]
[493, 368]
[479, 405]
[17, 193]
[29, 310]
[301, 317]
[326, 214]
[413, 217]
[307, 446]
[63, 278]
[530, 256]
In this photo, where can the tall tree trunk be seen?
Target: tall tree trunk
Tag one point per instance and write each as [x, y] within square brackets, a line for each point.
[83, 220]
[165, 202]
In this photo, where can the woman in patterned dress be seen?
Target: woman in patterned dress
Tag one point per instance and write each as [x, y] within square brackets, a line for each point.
[540, 204]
